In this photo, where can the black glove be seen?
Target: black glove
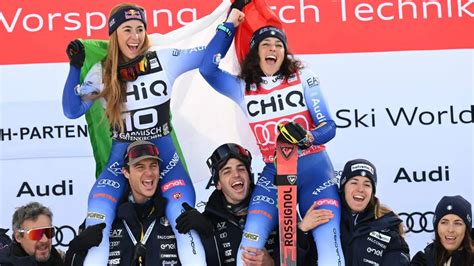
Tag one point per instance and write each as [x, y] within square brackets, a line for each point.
[90, 237]
[193, 219]
[76, 53]
[239, 4]
[295, 133]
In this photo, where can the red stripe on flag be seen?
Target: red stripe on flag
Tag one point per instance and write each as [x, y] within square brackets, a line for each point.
[257, 14]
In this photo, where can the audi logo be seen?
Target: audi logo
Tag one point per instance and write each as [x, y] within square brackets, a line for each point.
[418, 222]
[265, 133]
[262, 198]
[109, 182]
[64, 234]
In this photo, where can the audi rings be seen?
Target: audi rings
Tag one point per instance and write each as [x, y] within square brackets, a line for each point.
[64, 234]
[265, 133]
[418, 222]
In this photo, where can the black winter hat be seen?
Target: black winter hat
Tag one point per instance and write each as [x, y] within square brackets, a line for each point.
[358, 167]
[268, 31]
[453, 205]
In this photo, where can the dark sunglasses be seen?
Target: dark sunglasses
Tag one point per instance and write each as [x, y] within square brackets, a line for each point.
[141, 150]
[131, 70]
[225, 151]
[37, 233]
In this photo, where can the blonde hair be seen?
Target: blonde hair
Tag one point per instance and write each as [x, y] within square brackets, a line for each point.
[114, 89]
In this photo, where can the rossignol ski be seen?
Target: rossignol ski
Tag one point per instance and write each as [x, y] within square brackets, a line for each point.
[286, 165]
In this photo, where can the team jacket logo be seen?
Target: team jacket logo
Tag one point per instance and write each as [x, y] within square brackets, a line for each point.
[146, 112]
[221, 226]
[96, 215]
[115, 169]
[266, 131]
[327, 201]
[275, 103]
[262, 212]
[362, 166]
[116, 233]
[172, 184]
[380, 236]
[108, 182]
[263, 198]
[375, 251]
[250, 236]
[266, 184]
[331, 182]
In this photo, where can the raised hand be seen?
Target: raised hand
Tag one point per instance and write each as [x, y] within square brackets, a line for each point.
[235, 17]
[76, 53]
[294, 133]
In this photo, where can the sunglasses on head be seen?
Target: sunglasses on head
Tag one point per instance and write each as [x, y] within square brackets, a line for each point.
[37, 233]
[141, 150]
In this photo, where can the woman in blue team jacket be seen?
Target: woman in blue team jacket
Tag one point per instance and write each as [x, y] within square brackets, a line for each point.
[371, 234]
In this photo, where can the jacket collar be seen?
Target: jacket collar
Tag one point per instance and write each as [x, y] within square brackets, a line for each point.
[216, 206]
[20, 257]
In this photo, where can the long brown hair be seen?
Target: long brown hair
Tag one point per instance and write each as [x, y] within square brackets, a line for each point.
[380, 210]
[467, 250]
[252, 73]
[114, 89]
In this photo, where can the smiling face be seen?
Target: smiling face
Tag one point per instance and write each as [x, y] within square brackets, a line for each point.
[451, 231]
[131, 37]
[234, 181]
[143, 177]
[40, 249]
[271, 52]
[358, 192]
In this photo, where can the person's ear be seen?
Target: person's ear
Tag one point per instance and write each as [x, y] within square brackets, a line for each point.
[17, 236]
[218, 185]
[126, 173]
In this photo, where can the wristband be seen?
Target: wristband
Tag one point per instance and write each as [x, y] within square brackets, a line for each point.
[223, 28]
